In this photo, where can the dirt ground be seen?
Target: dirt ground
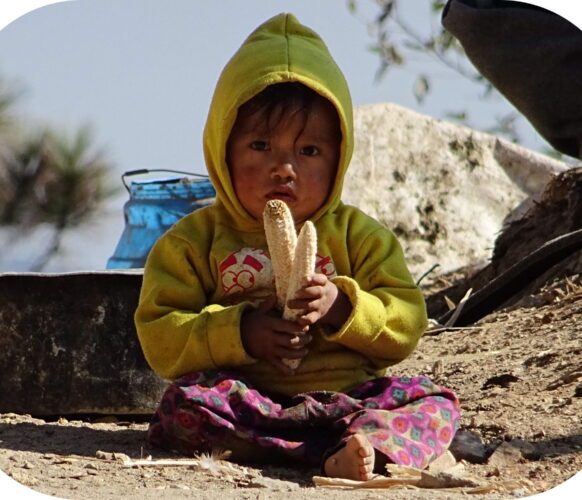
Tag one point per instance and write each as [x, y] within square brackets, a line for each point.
[518, 374]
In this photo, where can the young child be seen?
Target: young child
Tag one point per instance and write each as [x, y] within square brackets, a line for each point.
[280, 127]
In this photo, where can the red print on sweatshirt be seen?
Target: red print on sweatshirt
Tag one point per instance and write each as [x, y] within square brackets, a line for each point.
[250, 269]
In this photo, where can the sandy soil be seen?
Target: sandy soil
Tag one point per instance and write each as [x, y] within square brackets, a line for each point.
[518, 374]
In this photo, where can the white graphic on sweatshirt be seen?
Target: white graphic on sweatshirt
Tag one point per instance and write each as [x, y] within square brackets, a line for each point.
[249, 270]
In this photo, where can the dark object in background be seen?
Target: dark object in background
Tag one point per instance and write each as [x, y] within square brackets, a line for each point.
[532, 56]
[69, 345]
[516, 278]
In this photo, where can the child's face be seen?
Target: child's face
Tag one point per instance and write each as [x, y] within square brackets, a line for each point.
[295, 161]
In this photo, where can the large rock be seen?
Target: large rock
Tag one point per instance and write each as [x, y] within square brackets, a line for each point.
[68, 345]
[443, 189]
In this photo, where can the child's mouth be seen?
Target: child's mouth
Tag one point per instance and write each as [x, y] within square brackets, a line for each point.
[283, 195]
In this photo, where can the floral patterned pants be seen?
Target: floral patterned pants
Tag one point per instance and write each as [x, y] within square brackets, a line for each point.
[411, 421]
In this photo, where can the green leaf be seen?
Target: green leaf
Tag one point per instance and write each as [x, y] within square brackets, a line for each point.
[437, 5]
[395, 56]
[413, 45]
[445, 40]
[386, 12]
[381, 71]
[459, 116]
[421, 88]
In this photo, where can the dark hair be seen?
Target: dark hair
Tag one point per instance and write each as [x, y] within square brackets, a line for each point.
[280, 99]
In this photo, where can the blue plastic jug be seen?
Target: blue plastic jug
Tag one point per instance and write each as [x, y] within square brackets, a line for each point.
[154, 205]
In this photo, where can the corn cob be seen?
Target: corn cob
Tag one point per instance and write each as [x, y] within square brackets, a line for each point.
[303, 264]
[281, 240]
[292, 258]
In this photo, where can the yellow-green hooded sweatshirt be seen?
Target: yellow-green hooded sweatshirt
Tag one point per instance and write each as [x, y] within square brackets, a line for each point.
[213, 265]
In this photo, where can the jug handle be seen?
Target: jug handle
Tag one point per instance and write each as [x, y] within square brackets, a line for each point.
[143, 171]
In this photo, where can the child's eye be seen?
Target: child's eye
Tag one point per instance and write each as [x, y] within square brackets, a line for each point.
[309, 150]
[259, 145]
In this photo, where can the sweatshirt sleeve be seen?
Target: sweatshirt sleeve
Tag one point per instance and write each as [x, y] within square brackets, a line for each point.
[179, 332]
[388, 313]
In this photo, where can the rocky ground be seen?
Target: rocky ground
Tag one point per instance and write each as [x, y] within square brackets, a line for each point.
[518, 374]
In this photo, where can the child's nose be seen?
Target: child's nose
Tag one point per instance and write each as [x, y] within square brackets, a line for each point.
[284, 169]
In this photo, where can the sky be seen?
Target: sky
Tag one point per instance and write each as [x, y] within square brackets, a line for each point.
[141, 74]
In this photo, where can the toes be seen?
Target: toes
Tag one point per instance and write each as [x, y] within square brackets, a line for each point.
[365, 453]
[354, 461]
[368, 465]
[365, 474]
[364, 447]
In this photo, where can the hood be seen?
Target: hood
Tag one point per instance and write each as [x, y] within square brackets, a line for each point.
[280, 50]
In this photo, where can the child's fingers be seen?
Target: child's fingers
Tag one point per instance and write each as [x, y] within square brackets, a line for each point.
[290, 352]
[310, 303]
[312, 289]
[308, 293]
[295, 341]
[287, 346]
[315, 280]
[267, 304]
[309, 318]
[306, 305]
[289, 327]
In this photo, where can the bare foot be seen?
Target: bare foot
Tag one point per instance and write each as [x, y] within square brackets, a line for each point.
[354, 461]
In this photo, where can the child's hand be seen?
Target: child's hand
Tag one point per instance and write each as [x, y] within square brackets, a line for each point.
[268, 337]
[322, 302]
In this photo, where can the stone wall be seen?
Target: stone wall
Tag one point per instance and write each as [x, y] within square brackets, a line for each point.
[68, 345]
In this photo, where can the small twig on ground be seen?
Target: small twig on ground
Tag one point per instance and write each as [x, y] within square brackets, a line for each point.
[161, 463]
[459, 308]
[440, 329]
